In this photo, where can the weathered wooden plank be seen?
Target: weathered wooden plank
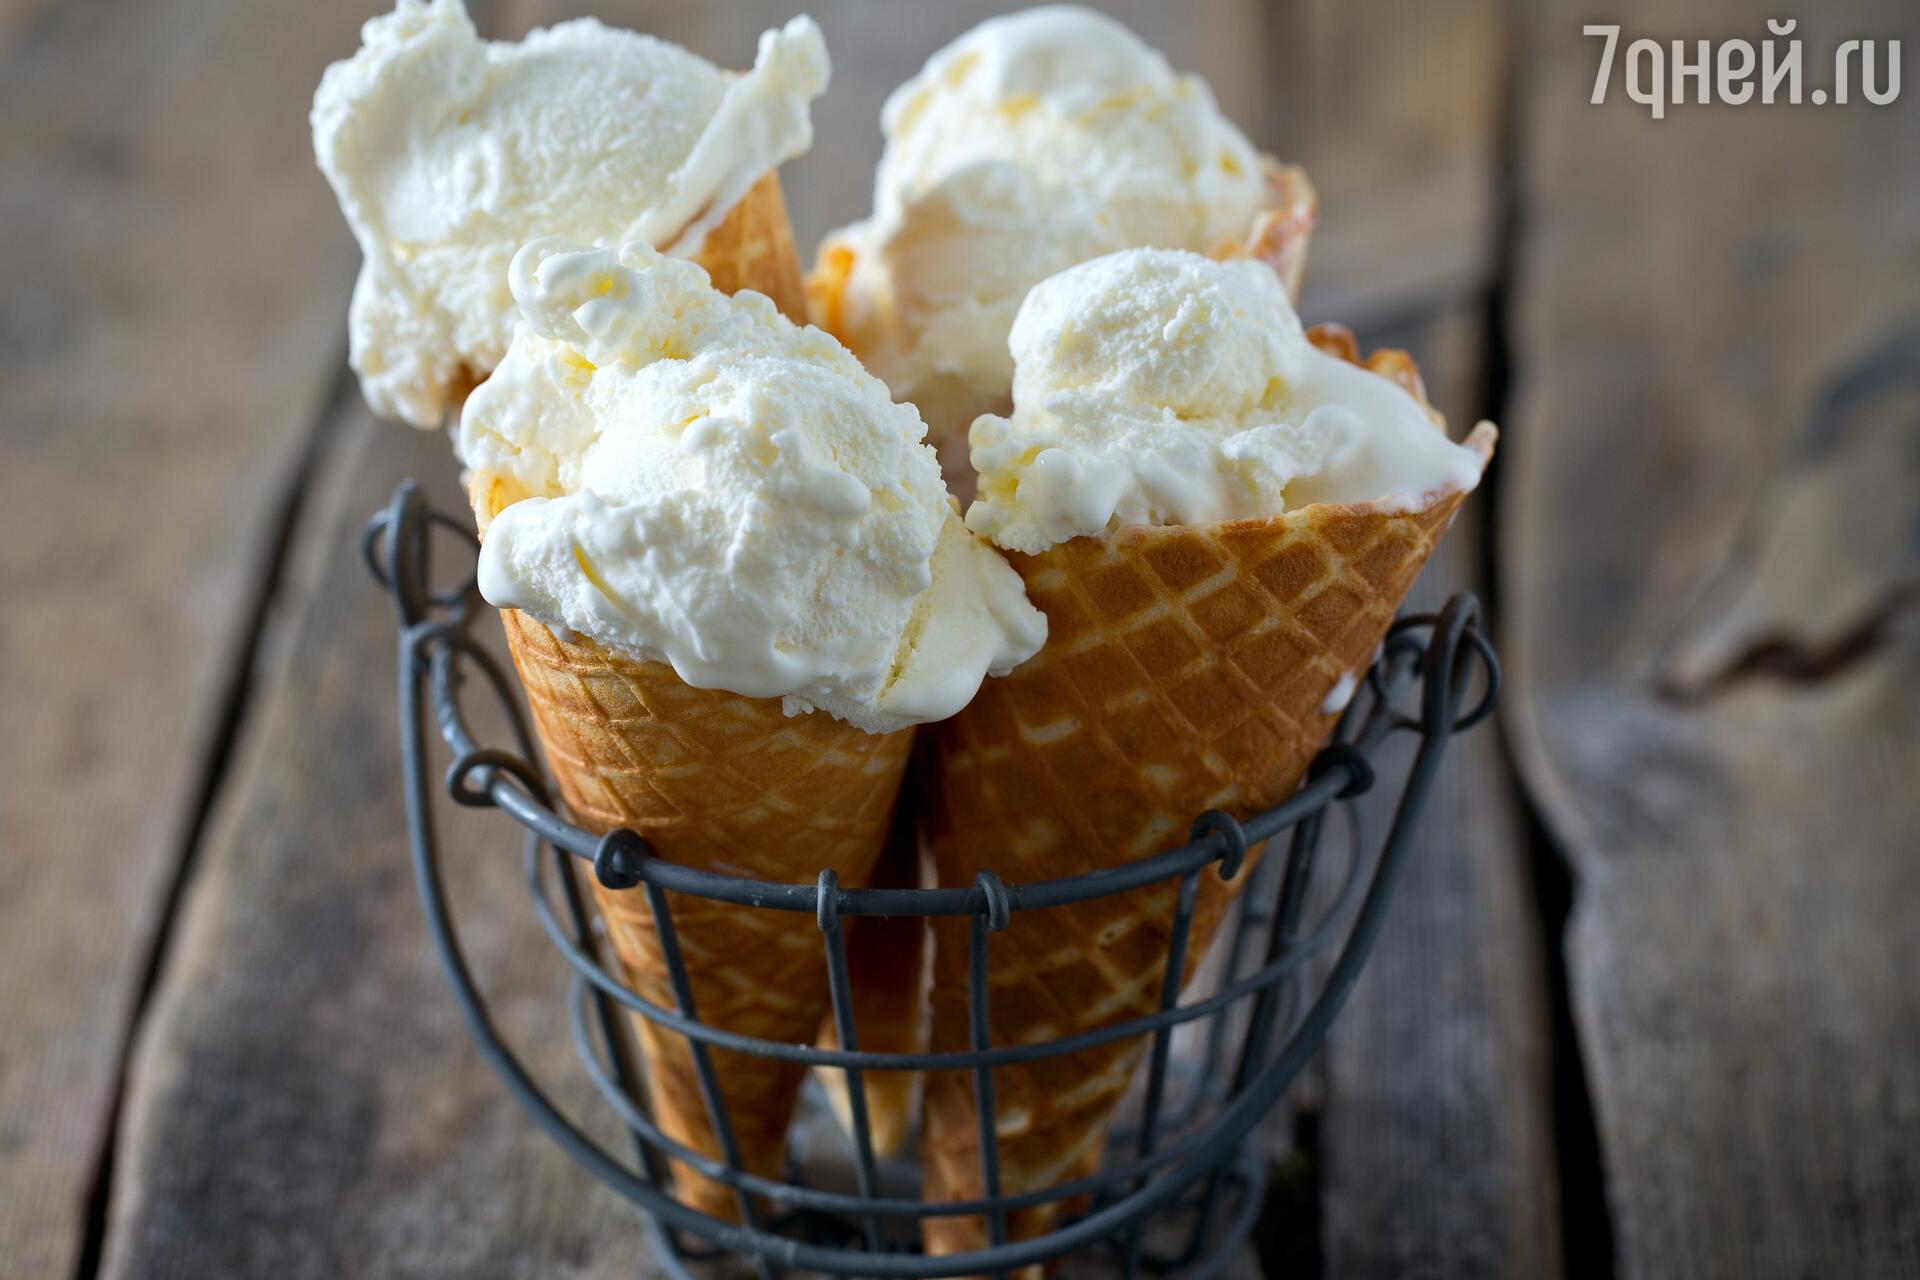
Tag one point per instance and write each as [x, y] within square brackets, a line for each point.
[307, 1102]
[15, 14]
[1435, 1128]
[1396, 112]
[1429, 1111]
[1435, 1132]
[174, 279]
[1714, 459]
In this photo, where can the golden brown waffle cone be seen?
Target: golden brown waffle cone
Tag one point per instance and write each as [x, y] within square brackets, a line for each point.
[1186, 668]
[753, 248]
[826, 287]
[724, 783]
[888, 962]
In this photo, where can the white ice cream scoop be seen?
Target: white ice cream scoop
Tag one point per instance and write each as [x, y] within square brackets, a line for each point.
[448, 152]
[1033, 142]
[1157, 386]
[691, 478]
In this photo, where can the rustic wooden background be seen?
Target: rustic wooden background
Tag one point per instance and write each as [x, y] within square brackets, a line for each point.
[1649, 1004]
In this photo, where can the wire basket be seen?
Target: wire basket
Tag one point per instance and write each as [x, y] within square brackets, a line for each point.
[1181, 1183]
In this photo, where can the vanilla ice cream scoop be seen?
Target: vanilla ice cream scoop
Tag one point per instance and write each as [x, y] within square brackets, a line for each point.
[693, 479]
[449, 152]
[1033, 142]
[1157, 386]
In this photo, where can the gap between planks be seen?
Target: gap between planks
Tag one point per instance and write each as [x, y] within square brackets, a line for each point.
[252, 653]
[1584, 1221]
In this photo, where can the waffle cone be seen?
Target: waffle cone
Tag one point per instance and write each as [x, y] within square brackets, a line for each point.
[1186, 668]
[753, 248]
[723, 783]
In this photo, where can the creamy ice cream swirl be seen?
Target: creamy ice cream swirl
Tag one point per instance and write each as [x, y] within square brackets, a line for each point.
[693, 479]
[1034, 142]
[448, 152]
[1158, 386]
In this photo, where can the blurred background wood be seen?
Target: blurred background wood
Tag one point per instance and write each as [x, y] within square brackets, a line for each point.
[169, 332]
[297, 1119]
[1435, 1131]
[1709, 470]
[1716, 480]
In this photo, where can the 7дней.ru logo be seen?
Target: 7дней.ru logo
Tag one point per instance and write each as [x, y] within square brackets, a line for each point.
[1733, 71]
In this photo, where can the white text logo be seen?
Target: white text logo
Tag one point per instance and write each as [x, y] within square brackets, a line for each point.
[1659, 75]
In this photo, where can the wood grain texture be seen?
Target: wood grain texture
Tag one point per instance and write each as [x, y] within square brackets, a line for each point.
[1429, 1112]
[15, 14]
[170, 322]
[1715, 457]
[308, 1102]
[1436, 1137]
[1396, 111]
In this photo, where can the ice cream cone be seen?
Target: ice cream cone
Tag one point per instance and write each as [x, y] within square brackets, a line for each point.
[724, 783]
[1187, 667]
[753, 248]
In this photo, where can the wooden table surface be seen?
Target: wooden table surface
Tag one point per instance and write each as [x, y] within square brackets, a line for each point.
[1648, 1003]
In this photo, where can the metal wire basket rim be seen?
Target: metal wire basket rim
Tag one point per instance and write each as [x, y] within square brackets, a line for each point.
[510, 794]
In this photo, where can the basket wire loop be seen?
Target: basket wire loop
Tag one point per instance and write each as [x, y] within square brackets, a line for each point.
[615, 858]
[1233, 836]
[1195, 1149]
